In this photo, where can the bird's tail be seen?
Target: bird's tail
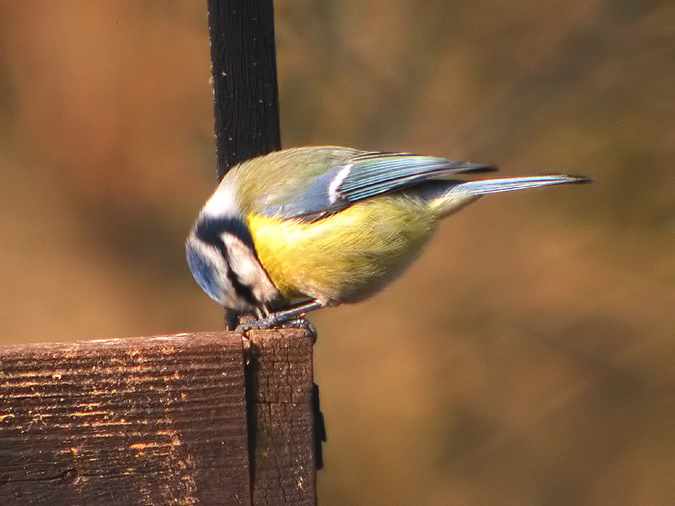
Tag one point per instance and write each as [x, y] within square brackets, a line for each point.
[510, 184]
[462, 194]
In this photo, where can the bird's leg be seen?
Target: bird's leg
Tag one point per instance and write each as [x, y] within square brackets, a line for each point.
[273, 319]
[231, 319]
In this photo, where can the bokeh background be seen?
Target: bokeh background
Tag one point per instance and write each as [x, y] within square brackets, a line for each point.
[528, 357]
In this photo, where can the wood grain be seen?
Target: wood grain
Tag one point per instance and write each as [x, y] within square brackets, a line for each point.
[157, 420]
[279, 377]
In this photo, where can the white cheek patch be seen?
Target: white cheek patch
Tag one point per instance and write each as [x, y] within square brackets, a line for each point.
[247, 268]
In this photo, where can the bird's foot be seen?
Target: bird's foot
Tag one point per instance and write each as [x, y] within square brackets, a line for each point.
[277, 320]
[288, 318]
[304, 324]
[250, 323]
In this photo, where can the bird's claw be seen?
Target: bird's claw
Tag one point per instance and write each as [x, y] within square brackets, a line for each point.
[301, 323]
[272, 321]
[253, 324]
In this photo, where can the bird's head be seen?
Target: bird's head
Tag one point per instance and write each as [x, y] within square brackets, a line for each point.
[209, 267]
[221, 256]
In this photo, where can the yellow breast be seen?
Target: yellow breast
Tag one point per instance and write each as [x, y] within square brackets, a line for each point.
[346, 256]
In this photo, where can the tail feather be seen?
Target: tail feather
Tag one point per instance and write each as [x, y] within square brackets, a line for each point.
[450, 200]
[510, 184]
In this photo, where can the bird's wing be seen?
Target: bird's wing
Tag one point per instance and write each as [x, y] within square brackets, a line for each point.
[363, 176]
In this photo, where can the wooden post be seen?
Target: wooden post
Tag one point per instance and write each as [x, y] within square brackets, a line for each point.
[281, 418]
[283, 405]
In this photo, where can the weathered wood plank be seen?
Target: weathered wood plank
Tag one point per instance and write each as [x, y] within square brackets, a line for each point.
[280, 386]
[157, 420]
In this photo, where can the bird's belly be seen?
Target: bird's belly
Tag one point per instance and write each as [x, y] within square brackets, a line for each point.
[347, 256]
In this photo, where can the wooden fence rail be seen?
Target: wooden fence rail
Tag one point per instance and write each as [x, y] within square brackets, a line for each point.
[205, 418]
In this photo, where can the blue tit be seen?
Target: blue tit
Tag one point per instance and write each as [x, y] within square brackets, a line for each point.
[304, 228]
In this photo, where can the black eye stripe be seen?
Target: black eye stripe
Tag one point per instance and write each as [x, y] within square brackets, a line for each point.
[210, 230]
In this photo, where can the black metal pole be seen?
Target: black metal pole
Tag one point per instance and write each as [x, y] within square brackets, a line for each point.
[244, 70]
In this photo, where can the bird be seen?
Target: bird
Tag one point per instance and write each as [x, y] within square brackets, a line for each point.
[305, 228]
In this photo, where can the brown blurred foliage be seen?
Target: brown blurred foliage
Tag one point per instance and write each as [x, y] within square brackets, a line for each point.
[526, 358]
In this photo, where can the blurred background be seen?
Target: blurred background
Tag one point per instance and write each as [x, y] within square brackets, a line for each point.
[527, 357]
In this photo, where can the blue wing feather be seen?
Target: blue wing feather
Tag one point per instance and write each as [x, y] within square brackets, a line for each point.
[365, 176]
[313, 202]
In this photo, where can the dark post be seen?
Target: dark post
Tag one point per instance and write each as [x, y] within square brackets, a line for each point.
[243, 64]
[281, 398]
